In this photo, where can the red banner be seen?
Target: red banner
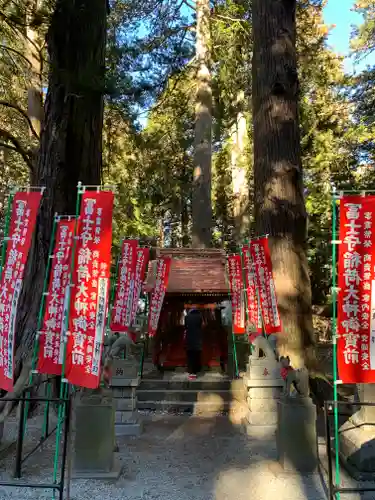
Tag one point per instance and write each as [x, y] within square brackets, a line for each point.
[356, 296]
[261, 257]
[236, 290]
[254, 316]
[22, 223]
[163, 267]
[123, 303]
[143, 256]
[89, 298]
[51, 339]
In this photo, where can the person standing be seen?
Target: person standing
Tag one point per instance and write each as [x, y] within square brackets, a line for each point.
[194, 333]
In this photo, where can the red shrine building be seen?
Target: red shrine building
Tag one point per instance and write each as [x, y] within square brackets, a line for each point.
[197, 279]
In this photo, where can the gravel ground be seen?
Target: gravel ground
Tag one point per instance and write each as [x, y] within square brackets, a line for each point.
[178, 458]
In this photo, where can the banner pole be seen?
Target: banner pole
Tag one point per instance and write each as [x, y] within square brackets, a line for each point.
[6, 230]
[64, 386]
[233, 335]
[245, 298]
[113, 287]
[259, 309]
[334, 344]
[41, 312]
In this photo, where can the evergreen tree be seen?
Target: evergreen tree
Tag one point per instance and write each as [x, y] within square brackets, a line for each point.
[278, 181]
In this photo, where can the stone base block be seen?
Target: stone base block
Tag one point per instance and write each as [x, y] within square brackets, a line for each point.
[264, 432]
[296, 435]
[125, 404]
[357, 450]
[264, 392]
[124, 416]
[94, 424]
[262, 405]
[113, 474]
[262, 418]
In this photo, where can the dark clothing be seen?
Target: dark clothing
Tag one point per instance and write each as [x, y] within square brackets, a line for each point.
[193, 325]
[193, 361]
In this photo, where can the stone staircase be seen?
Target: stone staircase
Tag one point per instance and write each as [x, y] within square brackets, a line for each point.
[211, 394]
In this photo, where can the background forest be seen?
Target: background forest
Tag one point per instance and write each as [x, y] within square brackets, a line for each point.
[153, 59]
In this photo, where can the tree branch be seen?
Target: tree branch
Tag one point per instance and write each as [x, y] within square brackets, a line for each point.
[10, 49]
[23, 113]
[20, 149]
[8, 146]
[185, 2]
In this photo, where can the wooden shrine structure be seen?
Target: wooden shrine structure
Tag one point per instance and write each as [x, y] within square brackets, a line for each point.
[197, 278]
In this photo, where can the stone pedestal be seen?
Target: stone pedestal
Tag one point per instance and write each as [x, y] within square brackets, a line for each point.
[124, 384]
[94, 436]
[263, 384]
[357, 437]
[296, 435]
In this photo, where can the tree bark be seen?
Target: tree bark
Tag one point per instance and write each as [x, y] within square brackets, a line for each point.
[240, 185]
[71, 137]
[34, 56]
[201, 198]
[278, 184]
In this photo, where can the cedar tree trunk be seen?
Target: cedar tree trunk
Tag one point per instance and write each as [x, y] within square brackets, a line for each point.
[71, 139]
[201, 199]
[278, 180]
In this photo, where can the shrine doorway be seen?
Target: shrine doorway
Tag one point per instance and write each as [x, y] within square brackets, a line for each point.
[169, 352]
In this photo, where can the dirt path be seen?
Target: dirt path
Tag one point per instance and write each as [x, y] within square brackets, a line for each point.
[186, 458]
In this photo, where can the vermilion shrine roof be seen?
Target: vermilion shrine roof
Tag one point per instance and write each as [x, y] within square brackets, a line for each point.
[193, 271]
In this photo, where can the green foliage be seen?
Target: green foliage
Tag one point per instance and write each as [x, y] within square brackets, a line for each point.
[150, 78]
[363, 40]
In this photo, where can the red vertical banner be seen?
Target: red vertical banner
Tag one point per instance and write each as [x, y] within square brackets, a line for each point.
[123, 303]
[143, 256]
[163, 267]
[356, 295]
[22, 223]
[261, 257]
[254, 315]
[236, 291]
[90, 287]
[51, 337]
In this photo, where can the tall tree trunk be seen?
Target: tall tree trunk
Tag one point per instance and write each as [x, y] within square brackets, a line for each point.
[201, 199]
[34, 56]
[278, 183]
[71, 137]
[240, 185]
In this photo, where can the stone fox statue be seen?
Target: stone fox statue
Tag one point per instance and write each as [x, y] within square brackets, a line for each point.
[294, 379]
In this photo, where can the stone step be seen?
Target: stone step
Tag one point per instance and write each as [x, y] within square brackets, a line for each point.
[189, 395]
[198, 408]
[195, 385]
[129, 429]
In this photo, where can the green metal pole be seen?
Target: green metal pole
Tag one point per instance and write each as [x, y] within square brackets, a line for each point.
[64, 388]
[46, 411]
[233, 335]
[41, 313]
[245, 287]
[6, 230]
[113, 287]
[334, 341]
[146, 340]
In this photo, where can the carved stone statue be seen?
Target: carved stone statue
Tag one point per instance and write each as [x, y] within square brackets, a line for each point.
[262, 349]
[296, 381]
